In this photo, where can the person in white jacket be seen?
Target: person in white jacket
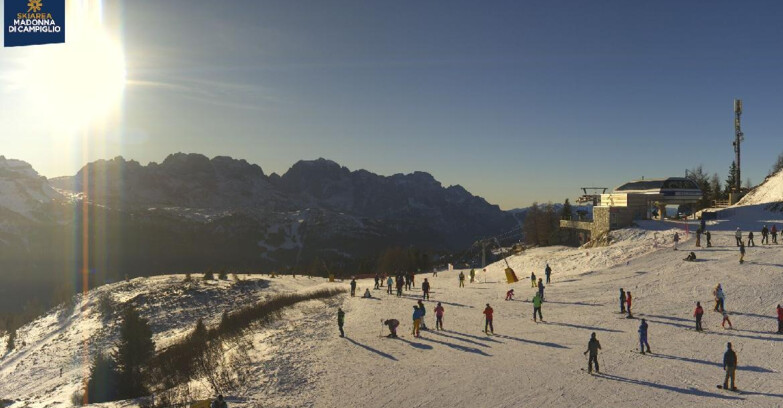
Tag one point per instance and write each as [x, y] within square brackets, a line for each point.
[738, 235]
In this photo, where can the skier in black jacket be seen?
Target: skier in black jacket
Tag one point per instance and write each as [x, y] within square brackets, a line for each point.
[593, 346]
[730, 365]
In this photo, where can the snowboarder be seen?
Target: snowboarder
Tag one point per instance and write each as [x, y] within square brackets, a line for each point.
[537, 307]
[425, 288]
[472, 275]
[532, 279]
[750, 239]
[541, 288]
[643, 337]
[709, 239]
[416, 321]
[725, 320]
[510, 294]
[698, 313]
[548, 272]
[774, 232]
[764, 235]
[691, 257]
[738, 236]
[439, 317]
[392, 323]
[730, 366]
[720, 297]
[488, 320]
[341, 321]
[593, 346]
[218, 403]
[389, 283]
[676, 239]
[461, 279]
[622, 300]
[742, 252]
[628, 304]
[423, 312]
[353, 287]
[367, 294]
[377, 281]
[780, 320]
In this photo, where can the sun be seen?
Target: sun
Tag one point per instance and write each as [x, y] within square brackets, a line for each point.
[74, 84]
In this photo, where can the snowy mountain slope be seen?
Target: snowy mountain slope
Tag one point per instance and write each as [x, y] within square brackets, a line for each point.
[770, 191]
[22, 190]
[301, 361]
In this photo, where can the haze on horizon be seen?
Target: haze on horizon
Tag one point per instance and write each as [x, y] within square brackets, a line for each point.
[515, 101]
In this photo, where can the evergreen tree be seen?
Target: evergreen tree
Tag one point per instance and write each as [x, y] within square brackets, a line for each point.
[134, 351]
[701, 178]
[566, 213]
[731, 180]
[529, 226]
[222, 275]
[717, 192]
[103, 381]
[209, 275]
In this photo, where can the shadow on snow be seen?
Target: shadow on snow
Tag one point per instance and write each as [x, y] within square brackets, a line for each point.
[754, 369]
[368, 348]
[457, 347]
[691, 391]
[440, 333]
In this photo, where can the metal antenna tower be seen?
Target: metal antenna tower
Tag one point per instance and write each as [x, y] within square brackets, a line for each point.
[738, 138]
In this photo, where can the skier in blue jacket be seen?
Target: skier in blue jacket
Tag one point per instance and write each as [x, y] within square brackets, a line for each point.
[643, 336]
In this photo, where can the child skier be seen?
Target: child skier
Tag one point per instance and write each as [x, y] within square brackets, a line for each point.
[643, 336]
[541, 288]
[698, 313]
[510, 294]
[488, 320]
[725, 320]
[416, 321]
[439, 317]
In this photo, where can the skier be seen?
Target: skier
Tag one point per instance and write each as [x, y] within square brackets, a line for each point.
[461, 279]
[537, 307]
[510, 294]
[413, 280]
[439, 317]
[643, 336]
[628, 304]
[702, 224]
[780, 320]
[764, 235]
[774, 232]
[720, 298]
[218, 403]
[353, 287]
[750, 239]
[691, 257]
[435, 272]
[709, 239]
[488, 320]
[377, 281]
[392, 323]
[698, 237]
[423, 313]
[367, 294]
[408, 282]
[725, 320]
[738, 236]
[730, 366]
[548, 272]
[541, 288]
[400, 284]
[698, 313]
[416, 321]
[472, 275]
[622, 300]
[742, 252]
[341, 321]
[532, 279]
[593, 346]
[425, 288]
[676, 239]
[389, 283]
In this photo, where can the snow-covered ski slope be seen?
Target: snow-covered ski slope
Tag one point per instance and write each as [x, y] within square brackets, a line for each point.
[301, 362]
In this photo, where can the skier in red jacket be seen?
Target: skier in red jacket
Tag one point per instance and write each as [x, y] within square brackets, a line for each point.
[698, 313]
[628, 304]
[488, 322]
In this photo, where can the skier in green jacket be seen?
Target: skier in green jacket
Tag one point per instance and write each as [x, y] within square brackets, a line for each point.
[537, 307]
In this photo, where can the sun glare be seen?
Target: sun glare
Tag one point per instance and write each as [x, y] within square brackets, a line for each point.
[76, 84]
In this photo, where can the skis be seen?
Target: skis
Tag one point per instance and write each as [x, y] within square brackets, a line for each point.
[720, 387]
[642, 353]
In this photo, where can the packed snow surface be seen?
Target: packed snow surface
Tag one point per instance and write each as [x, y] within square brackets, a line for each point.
[300, 361]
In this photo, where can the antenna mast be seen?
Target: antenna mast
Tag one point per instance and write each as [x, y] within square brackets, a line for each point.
[738, 137]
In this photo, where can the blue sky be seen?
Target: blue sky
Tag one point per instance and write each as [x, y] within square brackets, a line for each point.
[517, 101]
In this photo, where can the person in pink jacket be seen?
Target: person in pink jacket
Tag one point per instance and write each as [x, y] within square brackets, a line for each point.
[628, 304]
[439, 317]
